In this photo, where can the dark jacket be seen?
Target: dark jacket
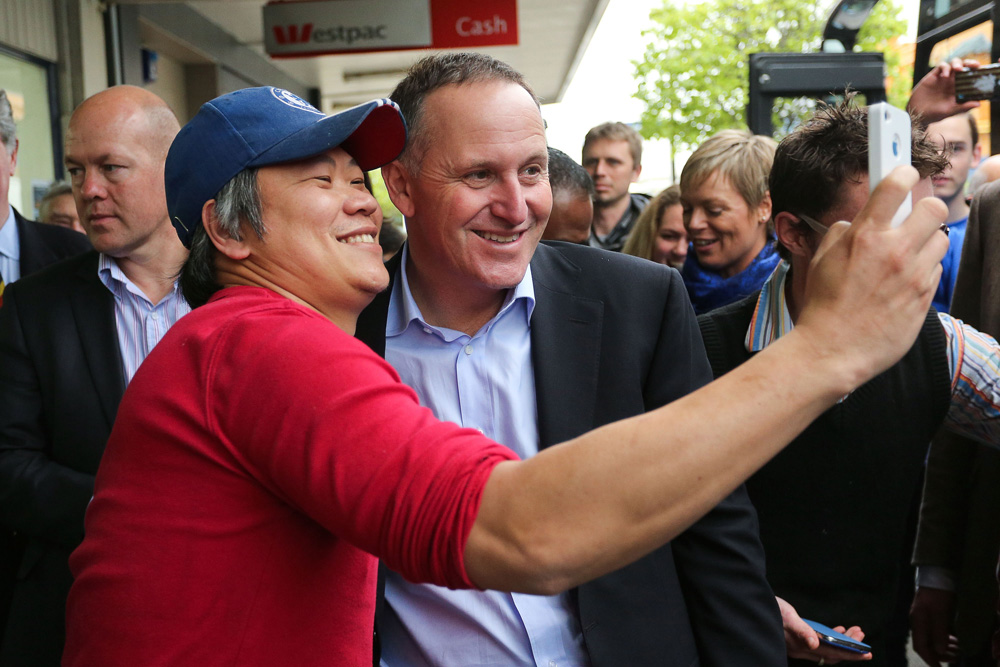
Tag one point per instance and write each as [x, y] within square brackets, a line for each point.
[835, 504]
[61, 380]
[602, 354]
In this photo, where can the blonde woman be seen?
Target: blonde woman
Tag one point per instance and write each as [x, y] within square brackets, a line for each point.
[727, 214]
[659, 233]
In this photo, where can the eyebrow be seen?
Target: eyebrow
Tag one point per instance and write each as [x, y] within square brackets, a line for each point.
[324, 158]
[100, 159]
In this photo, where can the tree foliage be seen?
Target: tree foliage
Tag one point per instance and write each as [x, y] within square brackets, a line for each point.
[693, 78]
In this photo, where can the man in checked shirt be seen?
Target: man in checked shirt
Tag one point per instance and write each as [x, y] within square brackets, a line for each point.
[835, 506]
[71, 338]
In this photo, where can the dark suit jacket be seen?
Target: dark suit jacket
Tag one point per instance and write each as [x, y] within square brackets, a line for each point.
[959, 524]
[61, 380]
[42, 245]
[614, 336]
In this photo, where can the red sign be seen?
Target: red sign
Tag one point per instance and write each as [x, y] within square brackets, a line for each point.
[463, 24]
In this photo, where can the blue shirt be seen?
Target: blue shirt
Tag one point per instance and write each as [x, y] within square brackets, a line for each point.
[140, 324]
[485, 382]
[949, 265]
[10, 250]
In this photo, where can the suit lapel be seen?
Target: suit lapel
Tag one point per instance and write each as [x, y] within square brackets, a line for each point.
[565, 348]
[34, 253]
[93, 310]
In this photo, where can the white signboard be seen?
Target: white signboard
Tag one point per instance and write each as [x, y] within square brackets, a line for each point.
[332, 26]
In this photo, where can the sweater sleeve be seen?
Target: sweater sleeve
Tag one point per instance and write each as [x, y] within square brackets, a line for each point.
[336, 434]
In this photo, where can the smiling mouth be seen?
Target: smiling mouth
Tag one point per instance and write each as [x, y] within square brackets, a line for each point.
[490, 236]
[358, 238]
[701, 243]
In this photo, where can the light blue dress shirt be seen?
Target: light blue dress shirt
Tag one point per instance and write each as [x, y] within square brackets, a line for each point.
[140, 324]
[485, 382]
[10, 250]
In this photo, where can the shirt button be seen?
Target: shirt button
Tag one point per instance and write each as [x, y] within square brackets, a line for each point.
[427, 330]
[155, 317]
[552, 663]
[468, 349]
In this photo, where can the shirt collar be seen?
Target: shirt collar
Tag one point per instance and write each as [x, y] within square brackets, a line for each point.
[9, 247]
[115, 279]
[771, 319]
[403, 309]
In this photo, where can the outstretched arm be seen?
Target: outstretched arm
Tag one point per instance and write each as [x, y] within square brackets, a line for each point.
[585, 508]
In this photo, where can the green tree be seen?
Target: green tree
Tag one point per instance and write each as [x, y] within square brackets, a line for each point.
[390, 214]
[693, 77]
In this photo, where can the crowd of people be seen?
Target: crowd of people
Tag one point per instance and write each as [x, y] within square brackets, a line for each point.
[242, 421]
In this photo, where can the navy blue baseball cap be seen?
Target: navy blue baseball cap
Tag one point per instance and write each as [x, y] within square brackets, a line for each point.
[261, 126]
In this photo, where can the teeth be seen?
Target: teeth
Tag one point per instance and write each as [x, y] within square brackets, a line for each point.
[359, 238]
[703, 242]
[499, 239]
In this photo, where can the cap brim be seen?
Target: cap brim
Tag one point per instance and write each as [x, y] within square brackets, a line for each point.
[374, 134]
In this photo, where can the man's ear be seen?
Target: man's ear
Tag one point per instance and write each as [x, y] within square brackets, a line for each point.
[635, 173]
[793, 234]
[399, 183]
[223, 242]
[764, 209]
[977, 154]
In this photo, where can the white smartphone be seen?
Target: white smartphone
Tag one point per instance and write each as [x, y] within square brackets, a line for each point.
[888, 147]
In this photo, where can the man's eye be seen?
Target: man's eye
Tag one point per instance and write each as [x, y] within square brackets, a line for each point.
[323, 178]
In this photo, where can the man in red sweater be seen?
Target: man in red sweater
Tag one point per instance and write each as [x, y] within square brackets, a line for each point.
[262, 458]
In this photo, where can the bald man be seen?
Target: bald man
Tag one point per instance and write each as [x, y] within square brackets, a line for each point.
[71, 338]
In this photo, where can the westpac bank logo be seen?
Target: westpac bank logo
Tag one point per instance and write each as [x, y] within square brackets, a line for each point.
[293, 34]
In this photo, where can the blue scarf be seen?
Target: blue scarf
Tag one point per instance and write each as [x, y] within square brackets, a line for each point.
[708, 290]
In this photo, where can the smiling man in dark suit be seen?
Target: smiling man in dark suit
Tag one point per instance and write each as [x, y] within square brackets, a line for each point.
[71, 338]
[533, 345]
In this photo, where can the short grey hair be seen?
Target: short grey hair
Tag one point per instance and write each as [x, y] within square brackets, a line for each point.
[236, 204]
[434, 72]
[8, 129]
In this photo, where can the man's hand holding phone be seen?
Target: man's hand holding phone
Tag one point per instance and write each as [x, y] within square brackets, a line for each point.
[802, 641]
[934, 95]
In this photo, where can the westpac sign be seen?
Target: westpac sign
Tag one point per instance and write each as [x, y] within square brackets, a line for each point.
[315, 27]
[332, 26]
